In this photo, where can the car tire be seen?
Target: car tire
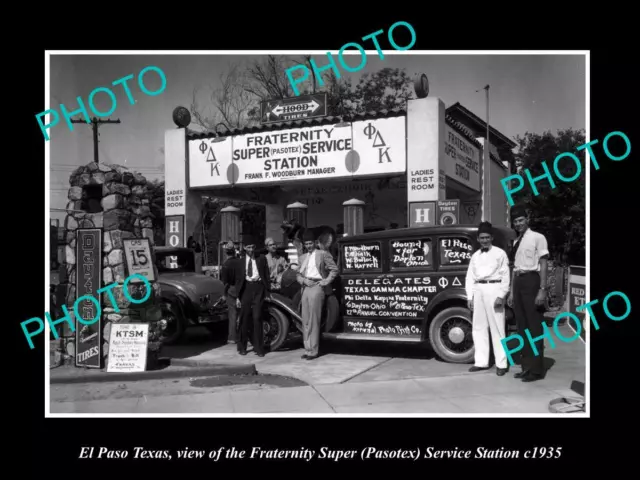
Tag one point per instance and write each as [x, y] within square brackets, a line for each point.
[172, 309]
[450, 335]
[276, 328]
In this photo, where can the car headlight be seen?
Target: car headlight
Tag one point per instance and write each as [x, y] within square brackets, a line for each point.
[205, 300]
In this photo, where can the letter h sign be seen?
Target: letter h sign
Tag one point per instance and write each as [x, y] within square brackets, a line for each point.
[174, 230]
[422, 214]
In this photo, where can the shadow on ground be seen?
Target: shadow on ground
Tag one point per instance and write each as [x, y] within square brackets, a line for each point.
[256, 379]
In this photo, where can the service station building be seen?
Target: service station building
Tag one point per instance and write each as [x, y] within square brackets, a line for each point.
[394, 167]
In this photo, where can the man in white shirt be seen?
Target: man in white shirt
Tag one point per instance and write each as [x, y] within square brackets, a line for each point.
[529, 292]
[487, 286]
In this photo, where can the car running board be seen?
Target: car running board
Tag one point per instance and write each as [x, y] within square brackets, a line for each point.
[364, 336]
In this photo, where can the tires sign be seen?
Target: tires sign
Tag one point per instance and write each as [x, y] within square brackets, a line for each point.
[88, 282]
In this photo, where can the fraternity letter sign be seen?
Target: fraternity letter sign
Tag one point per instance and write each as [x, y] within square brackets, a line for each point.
[88, 281]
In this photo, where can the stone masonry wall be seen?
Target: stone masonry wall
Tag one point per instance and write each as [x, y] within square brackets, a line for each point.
[127, 199]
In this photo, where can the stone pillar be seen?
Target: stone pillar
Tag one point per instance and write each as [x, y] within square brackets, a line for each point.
[125, 198]
[353, 217]
[297, 211]
[230, 224]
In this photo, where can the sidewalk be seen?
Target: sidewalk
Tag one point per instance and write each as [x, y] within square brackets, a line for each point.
[358, 384]
[477, 393]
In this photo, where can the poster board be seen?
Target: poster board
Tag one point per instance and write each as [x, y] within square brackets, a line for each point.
[139, 260]
[88, 282]
[128, 347]
[577, 294]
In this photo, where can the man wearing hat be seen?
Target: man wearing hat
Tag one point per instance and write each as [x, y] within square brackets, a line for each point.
[252, 285]
[529, 291]
[487, 286]
[227, 276]
[317, 272]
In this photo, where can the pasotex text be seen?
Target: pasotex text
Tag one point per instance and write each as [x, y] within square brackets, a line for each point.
[87, 298]
[547, 333]
[587, 146]
[55, 118]
[363, 57]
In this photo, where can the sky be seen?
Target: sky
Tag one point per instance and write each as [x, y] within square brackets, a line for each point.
[528, 93]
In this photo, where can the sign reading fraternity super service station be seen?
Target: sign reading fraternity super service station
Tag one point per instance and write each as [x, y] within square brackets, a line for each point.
[370, 147]
[424, 154]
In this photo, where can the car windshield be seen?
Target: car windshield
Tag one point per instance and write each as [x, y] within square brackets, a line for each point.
[175, 262]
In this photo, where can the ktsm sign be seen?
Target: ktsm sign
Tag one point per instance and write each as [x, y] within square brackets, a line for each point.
[370, 147]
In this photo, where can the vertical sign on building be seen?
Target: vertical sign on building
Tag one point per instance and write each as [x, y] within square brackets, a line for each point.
[174, 231]
[175, 175]
[425, 150]
[88, 282]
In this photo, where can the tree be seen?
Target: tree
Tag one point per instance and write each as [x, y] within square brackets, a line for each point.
[236, 103]
[558, 213]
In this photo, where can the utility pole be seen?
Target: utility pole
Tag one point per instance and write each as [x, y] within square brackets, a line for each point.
[486, 169]
[95, 123]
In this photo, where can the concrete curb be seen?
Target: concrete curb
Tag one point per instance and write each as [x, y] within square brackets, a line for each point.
[195, 371]
[189, 362]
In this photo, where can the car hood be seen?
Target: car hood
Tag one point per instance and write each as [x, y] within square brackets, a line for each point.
[194, 284]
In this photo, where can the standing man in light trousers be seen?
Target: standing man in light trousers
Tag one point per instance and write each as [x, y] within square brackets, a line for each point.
[487, 286]
[317, 272]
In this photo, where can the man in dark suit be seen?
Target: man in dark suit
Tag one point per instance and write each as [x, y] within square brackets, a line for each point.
[252, 285]
[230, 297]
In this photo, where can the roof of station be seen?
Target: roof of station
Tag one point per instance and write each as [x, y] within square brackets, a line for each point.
[330, 120]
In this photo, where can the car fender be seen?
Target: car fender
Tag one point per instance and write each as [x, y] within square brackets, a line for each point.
[454, 296]
[182, 301]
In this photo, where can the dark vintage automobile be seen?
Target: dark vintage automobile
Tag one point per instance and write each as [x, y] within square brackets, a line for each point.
[190, 298]
[403, 285]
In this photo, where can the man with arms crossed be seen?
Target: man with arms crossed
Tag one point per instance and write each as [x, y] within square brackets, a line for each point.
[317, 271]
[487, 285]
[277, 263]
[529, 292]
[252, 285]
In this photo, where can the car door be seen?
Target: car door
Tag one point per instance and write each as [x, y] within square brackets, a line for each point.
[389, 295]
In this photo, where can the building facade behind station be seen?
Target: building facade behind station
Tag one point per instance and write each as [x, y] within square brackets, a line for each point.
[399, 163]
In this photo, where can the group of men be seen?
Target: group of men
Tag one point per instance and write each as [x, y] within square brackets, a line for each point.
[250, 278]
[489, 287]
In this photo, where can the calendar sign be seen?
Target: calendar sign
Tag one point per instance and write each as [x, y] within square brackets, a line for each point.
[139, 260]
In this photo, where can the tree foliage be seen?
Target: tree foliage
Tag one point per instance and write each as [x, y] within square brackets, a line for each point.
[558, 213]
[235, 102]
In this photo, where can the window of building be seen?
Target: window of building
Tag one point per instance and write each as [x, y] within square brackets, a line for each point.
[415, 253]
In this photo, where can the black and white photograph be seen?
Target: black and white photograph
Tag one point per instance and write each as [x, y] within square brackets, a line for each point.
[297, 233]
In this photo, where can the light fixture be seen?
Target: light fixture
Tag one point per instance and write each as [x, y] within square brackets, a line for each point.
[342, 123]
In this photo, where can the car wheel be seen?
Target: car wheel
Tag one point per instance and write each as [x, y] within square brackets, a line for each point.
[174, 324]
[275, 329]
[450, 335]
